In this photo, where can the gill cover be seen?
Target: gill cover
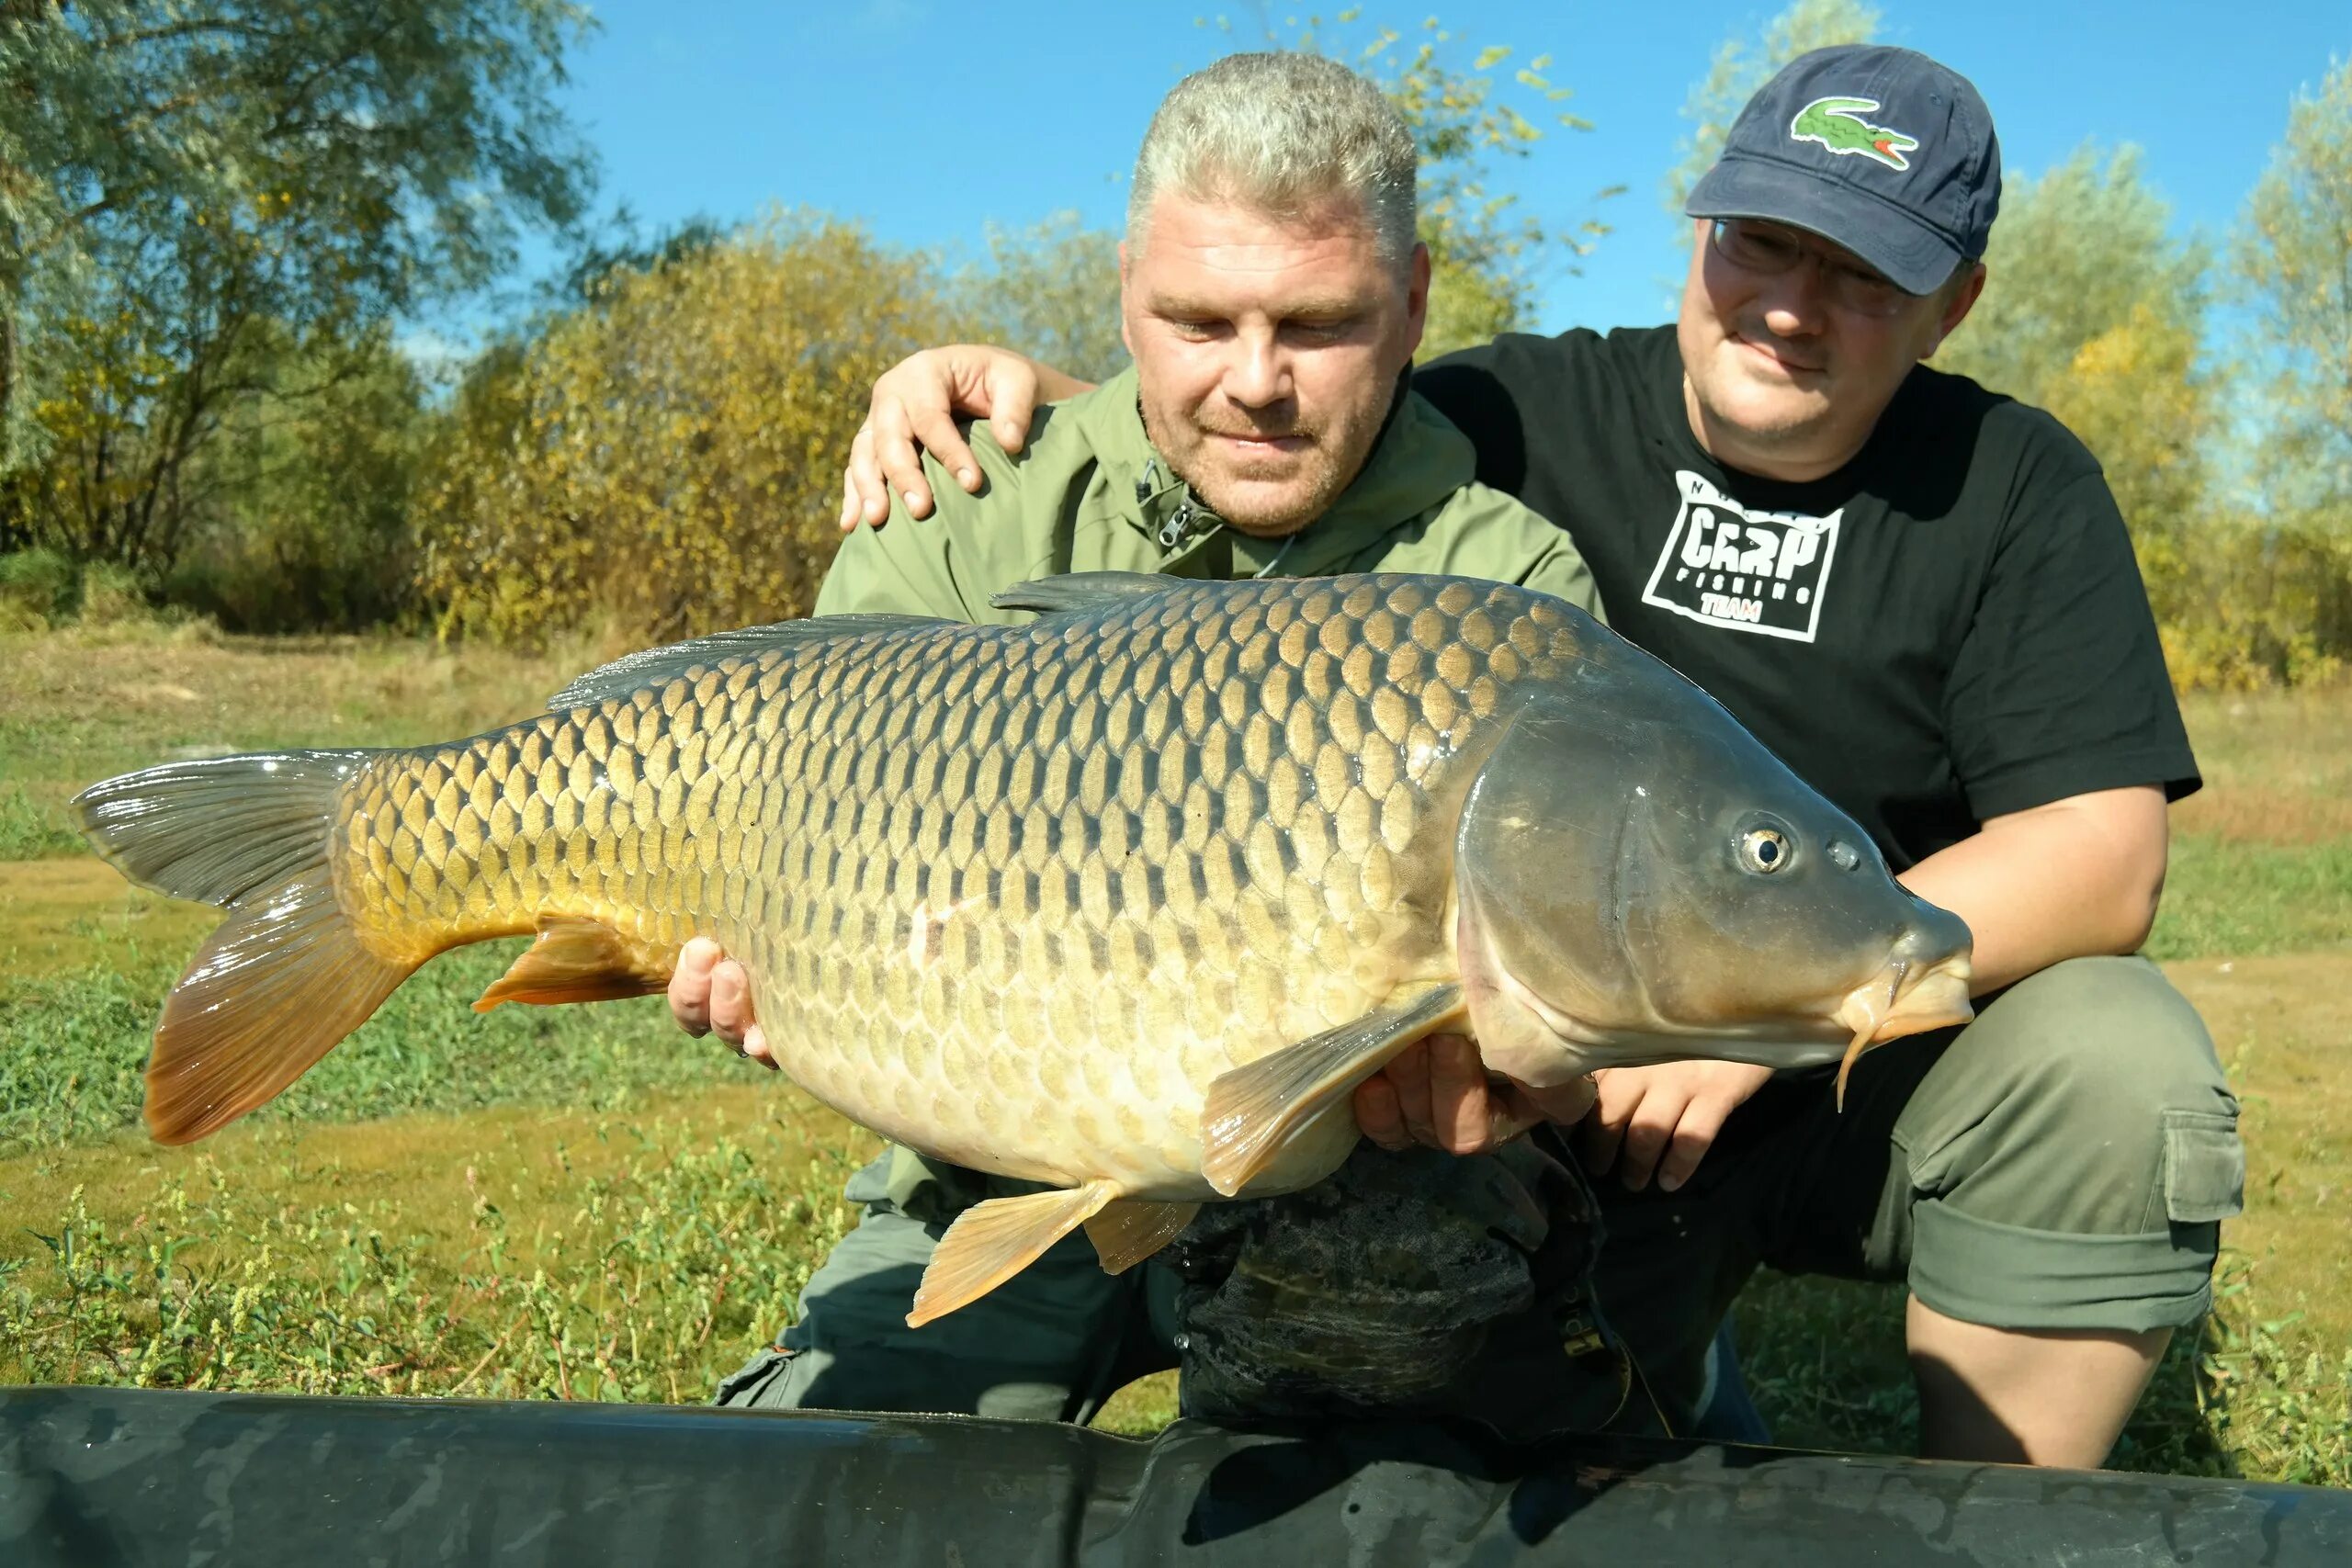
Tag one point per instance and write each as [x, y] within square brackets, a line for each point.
[1641, 880]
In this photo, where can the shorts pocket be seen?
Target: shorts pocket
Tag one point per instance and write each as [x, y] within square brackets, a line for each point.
[2204, 1167]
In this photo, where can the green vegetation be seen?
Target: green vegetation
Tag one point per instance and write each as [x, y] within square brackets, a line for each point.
[576, 1257]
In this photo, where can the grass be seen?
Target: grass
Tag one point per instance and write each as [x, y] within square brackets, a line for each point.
[574, 1256]
[72, 1046]
[580, 1203]
[86, 704]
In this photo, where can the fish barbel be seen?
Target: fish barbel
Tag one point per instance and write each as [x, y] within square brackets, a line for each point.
[1126, 900]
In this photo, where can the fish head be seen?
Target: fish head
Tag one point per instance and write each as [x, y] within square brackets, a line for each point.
[1639, 879]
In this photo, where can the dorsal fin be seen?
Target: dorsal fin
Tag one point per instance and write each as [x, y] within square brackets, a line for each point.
[1082, 591]
[660, 666]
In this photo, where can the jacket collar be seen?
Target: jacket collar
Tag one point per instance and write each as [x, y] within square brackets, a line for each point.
[1419, 459]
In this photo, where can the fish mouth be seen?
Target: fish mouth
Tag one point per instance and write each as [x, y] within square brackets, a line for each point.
[1902, 999]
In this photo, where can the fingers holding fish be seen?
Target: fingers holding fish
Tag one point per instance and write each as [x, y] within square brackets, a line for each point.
[709, 993]
[1659, 1121]
[1435, 1094]
[1440, 1094]
[689, 990]
[1379, 1115]
[730, 1007]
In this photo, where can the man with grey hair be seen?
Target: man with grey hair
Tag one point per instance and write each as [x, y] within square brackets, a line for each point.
[1272, 295]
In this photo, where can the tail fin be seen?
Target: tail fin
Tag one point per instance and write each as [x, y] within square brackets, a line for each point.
[284, 976]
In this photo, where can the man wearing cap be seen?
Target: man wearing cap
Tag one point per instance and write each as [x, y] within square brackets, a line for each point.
[1922, 595]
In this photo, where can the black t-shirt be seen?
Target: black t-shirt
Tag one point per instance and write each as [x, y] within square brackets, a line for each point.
[1950, 627]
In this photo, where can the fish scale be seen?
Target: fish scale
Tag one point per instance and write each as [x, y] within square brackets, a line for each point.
[968, 754]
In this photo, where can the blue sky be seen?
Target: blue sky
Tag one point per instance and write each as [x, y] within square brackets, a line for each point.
[928, 118]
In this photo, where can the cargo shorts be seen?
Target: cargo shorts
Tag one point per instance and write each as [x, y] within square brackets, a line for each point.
[2062, 1161]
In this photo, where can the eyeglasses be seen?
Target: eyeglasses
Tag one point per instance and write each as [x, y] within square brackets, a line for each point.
[1770, 250]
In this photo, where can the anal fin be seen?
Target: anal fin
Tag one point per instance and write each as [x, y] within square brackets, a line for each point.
[1251, 1111]
[991, 1241]
[577, 959]
[1128, 1232]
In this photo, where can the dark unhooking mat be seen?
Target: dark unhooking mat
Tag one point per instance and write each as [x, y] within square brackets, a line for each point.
[90, 1477]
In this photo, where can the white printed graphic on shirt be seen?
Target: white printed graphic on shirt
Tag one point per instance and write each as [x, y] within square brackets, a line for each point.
[1753, 571]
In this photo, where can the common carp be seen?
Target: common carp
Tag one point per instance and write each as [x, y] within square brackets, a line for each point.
[1126, 900]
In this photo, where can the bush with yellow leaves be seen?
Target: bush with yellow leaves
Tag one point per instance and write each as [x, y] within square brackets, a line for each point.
[666, 461]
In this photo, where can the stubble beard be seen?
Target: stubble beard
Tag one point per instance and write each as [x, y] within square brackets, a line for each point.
[1314, 486]
[1791, 421]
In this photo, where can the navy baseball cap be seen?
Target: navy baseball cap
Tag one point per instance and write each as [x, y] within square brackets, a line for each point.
[1879, 150]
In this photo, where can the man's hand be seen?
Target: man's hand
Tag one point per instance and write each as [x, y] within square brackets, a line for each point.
[1661, 1120]
[1439, 1093]
[710, 992]
[914, 405]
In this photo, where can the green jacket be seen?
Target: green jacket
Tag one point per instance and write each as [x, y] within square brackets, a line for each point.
[1089, 494]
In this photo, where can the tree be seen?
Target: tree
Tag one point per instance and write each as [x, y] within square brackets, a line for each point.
[1051, 291]
[2291, 260]
[299, 506]
[2075, 251]
[2293, 257]
[1741, 66]
[666, 460]
[1489, 256]
[180, 185]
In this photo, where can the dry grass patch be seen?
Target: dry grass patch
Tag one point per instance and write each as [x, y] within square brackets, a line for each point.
[2278, 766]
[72, 911]
[82, 706]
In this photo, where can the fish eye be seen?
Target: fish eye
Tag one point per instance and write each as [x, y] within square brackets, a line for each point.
[1764, 849]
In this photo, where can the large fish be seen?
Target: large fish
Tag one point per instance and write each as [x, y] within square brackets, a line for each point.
[1126, 900]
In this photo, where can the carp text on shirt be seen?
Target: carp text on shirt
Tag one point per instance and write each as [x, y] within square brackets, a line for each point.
[1753, 571]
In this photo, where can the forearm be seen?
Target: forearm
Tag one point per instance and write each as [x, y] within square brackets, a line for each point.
[2073, 879]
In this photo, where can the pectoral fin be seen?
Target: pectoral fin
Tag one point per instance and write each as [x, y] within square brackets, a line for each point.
[1128, 1232]
[991, 1241]
[579, 960]
[1252, 1112]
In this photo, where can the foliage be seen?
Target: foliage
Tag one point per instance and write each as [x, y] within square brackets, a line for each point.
[1490, 257]
[27, 832]
[37, 588]
[2223, 899]
[676, 459]
[1740, 66]
[298, 507]
[2293, 261]
[1050, 291]
[186, 197]
[644, 1282]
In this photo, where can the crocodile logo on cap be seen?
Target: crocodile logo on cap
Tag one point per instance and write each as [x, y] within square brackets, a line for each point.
[1838, 124]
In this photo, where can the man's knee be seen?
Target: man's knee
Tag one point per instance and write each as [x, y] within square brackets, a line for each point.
[2073, 1153]
[2092, 1065]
